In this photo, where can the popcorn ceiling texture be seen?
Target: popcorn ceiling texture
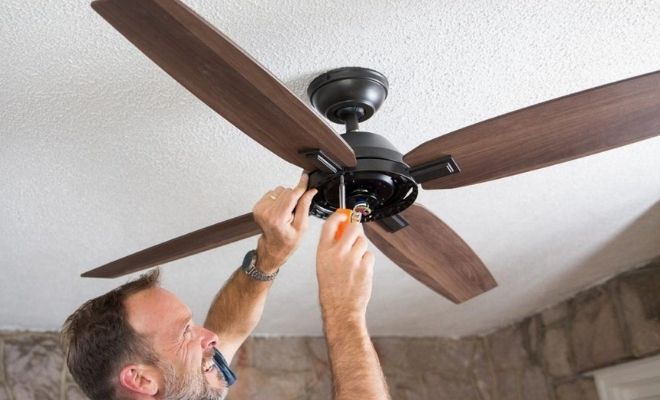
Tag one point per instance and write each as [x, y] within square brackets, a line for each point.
[542, 357]
[103, 154]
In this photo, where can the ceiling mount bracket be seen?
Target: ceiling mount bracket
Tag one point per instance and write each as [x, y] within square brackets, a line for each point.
[444, 166]
[322, 161]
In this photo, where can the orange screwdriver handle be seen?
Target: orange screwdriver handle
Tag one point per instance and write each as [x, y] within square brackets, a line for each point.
[342, 225]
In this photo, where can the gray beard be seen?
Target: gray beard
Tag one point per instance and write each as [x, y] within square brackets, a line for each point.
[188, 386]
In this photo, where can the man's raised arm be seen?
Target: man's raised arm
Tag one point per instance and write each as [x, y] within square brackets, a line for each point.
[283, 215]
[344, 269]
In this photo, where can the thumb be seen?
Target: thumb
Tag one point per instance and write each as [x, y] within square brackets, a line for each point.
[301, 213]
[301, 187]
[297, 192]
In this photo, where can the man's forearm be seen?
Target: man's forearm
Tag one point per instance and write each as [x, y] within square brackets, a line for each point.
[356, 371]
[236, 311]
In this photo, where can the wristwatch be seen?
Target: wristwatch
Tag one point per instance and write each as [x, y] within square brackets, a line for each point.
[249, 266]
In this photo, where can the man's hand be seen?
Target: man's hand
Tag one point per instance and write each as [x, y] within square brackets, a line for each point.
[344, 269]
[283, 215]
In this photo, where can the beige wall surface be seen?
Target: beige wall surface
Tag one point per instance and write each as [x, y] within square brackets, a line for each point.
[540, 358]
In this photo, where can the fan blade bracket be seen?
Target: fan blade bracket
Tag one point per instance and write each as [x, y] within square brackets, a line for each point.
[435, 169]
[393, 223]
[322, 161]
[548, 133]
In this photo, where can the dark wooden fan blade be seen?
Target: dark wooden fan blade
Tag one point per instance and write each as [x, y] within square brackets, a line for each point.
[195, 242]
[433, 254]
[549, 133]
[226, 78]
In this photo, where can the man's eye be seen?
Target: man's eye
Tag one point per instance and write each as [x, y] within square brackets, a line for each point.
[187, 331]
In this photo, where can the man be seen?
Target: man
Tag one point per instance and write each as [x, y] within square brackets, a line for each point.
[139, 341]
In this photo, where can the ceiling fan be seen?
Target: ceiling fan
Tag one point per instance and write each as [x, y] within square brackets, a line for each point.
[381, 183]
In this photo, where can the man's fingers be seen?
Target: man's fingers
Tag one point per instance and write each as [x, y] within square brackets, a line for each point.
[352, 231]
[271, 196]
[282, 197]
[268, 197]
[301, 217]
[297, 192]
[281, 202]
[301, 187]
[360, 246]
[276, 193]
[368, 259]
[330, 227]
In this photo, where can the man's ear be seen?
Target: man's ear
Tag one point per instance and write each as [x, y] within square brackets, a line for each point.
[139, 379]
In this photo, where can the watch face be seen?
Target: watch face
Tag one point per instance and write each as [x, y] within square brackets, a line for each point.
[250, 268]
[249, 259]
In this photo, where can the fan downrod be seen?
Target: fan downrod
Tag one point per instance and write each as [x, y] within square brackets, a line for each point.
[348, 95]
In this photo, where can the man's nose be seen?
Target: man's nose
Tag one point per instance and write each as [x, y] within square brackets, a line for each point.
[209, 339]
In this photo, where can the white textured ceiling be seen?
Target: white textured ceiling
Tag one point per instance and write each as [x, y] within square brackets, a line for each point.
[103, 154]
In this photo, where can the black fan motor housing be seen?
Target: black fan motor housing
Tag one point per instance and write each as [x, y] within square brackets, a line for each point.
[378, 187]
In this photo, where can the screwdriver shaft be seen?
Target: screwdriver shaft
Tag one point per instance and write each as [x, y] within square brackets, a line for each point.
[342, 192]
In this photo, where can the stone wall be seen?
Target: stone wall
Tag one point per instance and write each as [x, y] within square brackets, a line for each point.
[540, 358]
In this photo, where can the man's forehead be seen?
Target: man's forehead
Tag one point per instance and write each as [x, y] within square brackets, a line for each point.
[154, 309]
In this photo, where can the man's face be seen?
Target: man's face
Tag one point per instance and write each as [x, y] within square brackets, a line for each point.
[185, 350]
